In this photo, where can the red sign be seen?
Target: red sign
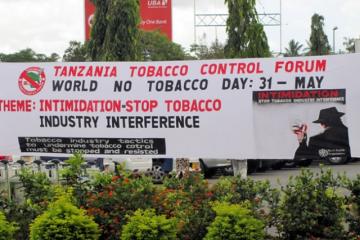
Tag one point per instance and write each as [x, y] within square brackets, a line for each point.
[89, 15]
[155, 14]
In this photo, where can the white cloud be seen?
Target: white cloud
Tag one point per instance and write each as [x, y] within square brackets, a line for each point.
[44, 25]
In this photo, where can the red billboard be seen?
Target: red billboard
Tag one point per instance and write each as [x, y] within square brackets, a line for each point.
[89, 14]
[155, 14]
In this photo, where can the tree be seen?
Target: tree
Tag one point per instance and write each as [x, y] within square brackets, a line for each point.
[293, 50]
[76, 52]
[319, 44]
[349, 44]
[246, 36]
[155, 46]
[114, 35]
[28, 55]
[215, 51]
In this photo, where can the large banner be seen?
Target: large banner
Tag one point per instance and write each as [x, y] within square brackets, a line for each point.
[239, 108]
[154, 14]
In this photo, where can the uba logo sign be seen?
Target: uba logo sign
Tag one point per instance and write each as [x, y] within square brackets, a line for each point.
[157, 3]
[31, 80]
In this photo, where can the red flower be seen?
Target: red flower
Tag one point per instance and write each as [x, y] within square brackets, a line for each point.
[115, 178]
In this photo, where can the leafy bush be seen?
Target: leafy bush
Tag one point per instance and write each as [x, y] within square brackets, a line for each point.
[188, 200]
[38, 192]
[234, 221]
[101, 180]
[73, 175]
[262, 198]
[7, 230]
[23, 214]
[353, 201]
[146, 225]
[311, 208]
[237, 190]
[63, 221]
[37, 186]
[123, 196]
[73, 172]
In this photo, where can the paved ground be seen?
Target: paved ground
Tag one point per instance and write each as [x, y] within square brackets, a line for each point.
[280, 177]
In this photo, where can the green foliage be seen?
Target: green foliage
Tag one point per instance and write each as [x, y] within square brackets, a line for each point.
[349, 44]
[37, 193]
[215, 51]
[293, 49]
[73, 172]
[123, 196]
[188, 200]
[114, 35]
[353, 201]
[101, 180]
[37, 186]
[311, 208]
[7, 229]
[23, 214]
[28, 55]
[234, 221]
[237, 190]
[63, 221]
[74, 177]
[146, 225]
[318, 44]
[155, 46]
[246, 36]
[76, 52]
[262, 199]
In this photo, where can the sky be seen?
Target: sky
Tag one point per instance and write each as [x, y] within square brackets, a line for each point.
[48, 26]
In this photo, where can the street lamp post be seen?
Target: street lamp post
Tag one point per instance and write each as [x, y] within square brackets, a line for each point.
[334, 29]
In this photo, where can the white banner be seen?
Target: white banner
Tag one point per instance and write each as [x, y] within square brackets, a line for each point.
[236, 108]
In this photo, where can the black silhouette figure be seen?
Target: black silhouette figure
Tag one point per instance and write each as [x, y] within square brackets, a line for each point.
[332, 144]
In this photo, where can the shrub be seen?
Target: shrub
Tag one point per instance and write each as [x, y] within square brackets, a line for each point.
[234, 222]
[310, 208]
[262, 198]
[7, 230]
[23, 215]
[123, 196]
[353, 201]
[63, 221]
[146, 225]
[37, 186]
[188, 200]
[73, 175]
[37, 193]
[73, 172]
[237, 190]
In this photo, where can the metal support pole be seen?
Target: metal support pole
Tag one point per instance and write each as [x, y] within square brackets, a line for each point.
[38, 162]
[239, 167]
[334, 29]
[357, 45]
[194, 21]
[280, 26]
[6, 163]
[56, 162]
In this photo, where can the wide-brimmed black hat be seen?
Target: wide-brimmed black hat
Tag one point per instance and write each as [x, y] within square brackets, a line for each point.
[328, 115]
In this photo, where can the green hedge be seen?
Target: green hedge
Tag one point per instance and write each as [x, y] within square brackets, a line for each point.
[64, 221]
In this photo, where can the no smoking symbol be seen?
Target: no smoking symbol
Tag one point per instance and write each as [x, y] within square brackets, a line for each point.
[31, 80]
